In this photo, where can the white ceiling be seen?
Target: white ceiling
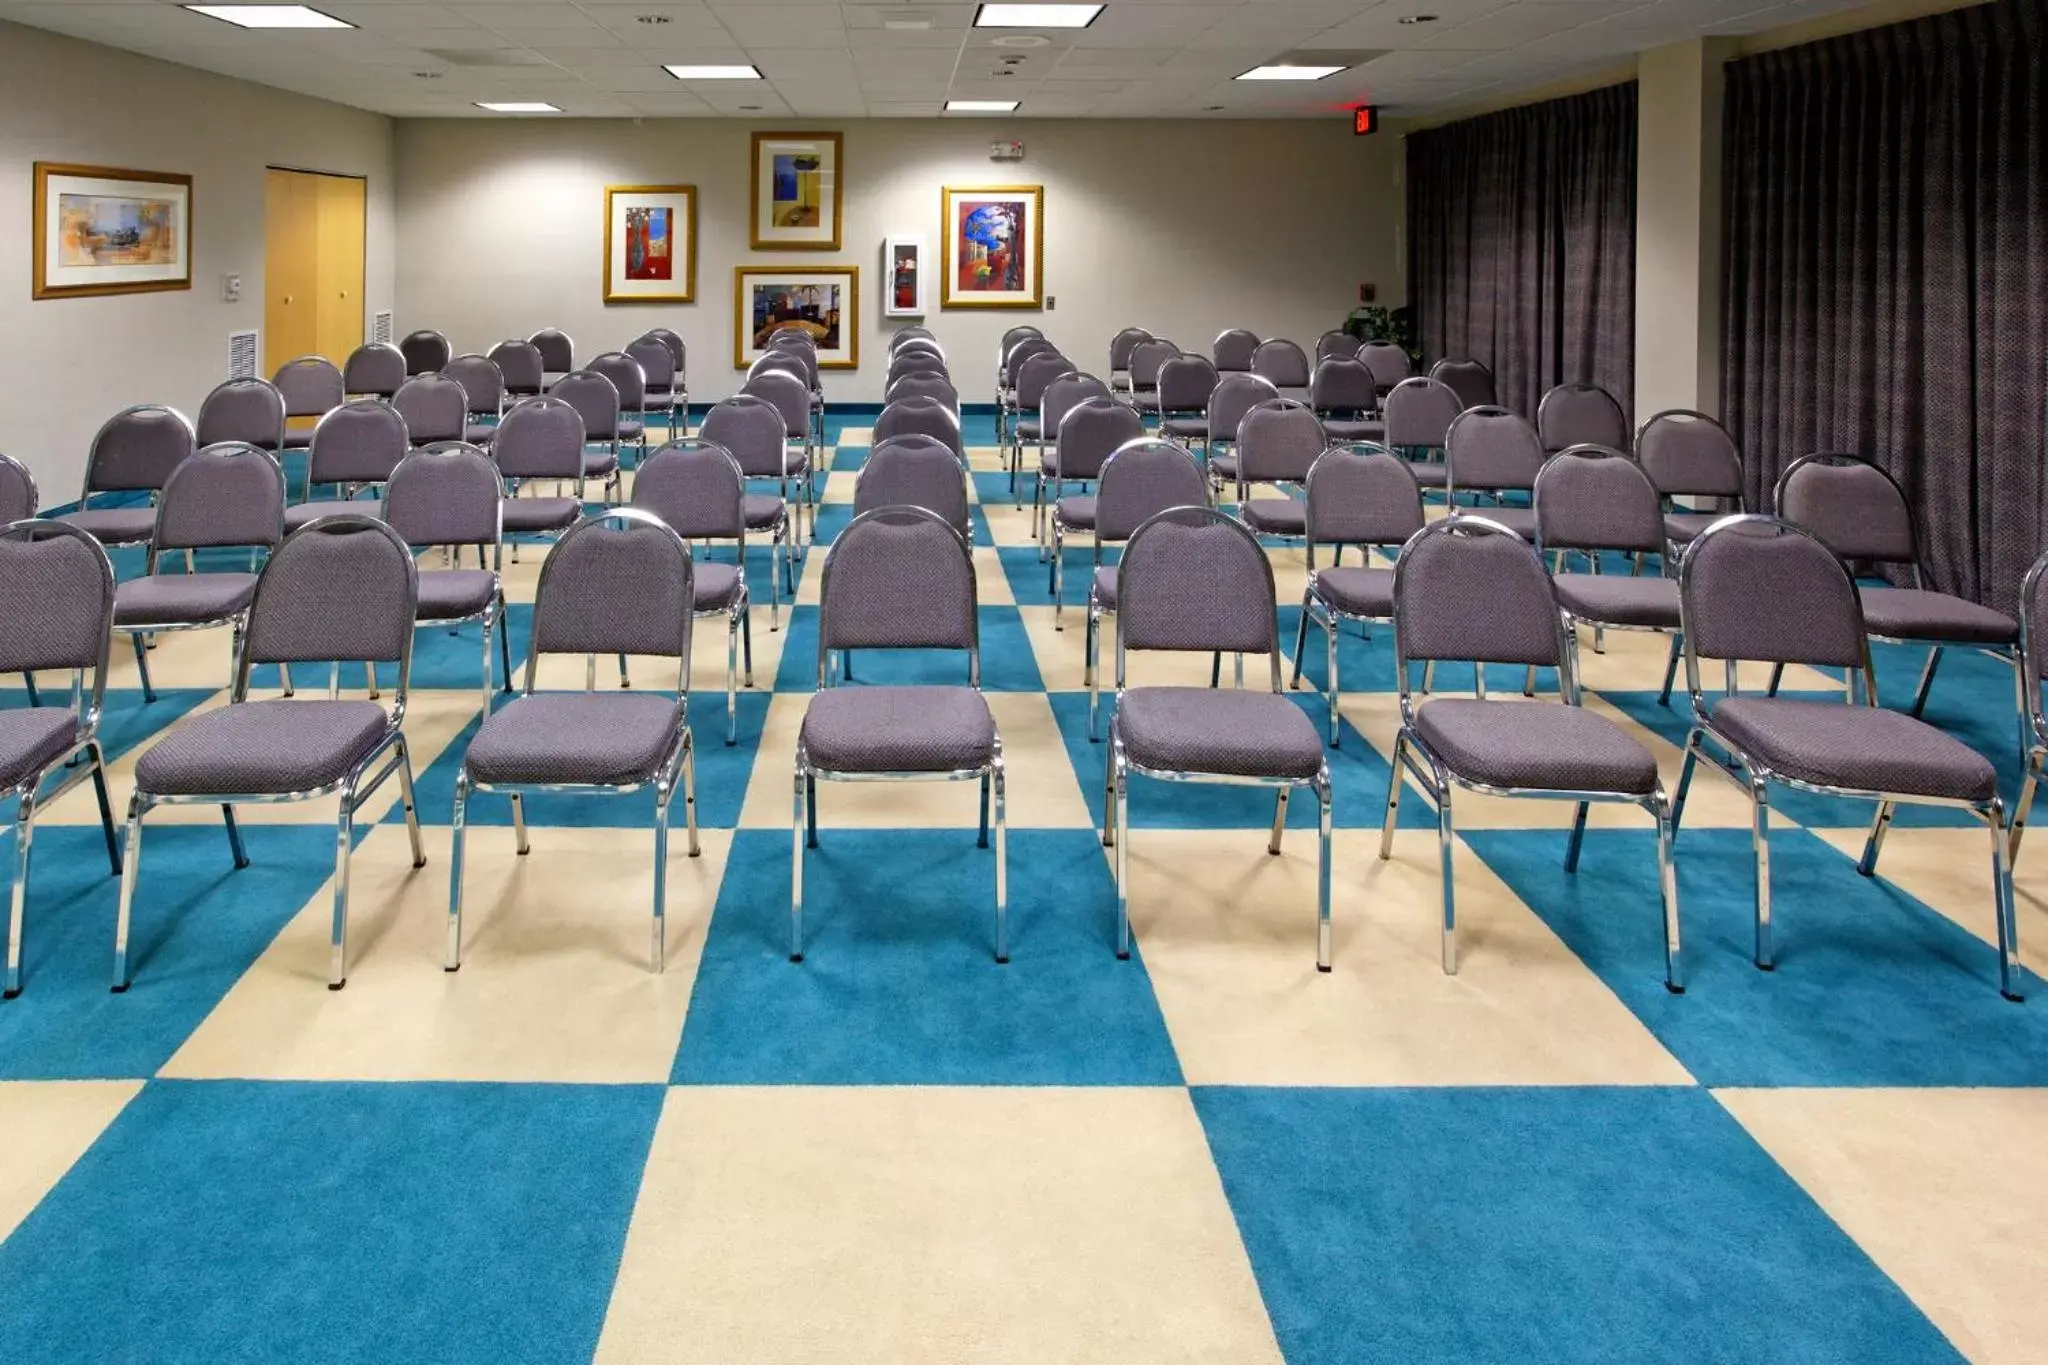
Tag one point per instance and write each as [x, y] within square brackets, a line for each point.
[1141, 58]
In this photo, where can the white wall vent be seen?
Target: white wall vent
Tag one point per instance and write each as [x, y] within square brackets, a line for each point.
[380, 327]
[241, 355]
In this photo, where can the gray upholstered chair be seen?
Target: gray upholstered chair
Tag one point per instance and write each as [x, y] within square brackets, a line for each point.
[1193, 580]
[919, 416]
[1148, 360]
[557, 353]
[1276, 443]
[752, 430]
[434, 406]
[629, 385]
[1579, 414]
[540, 438]
[1120, 347]
[1284, 365]
[134, 451]
[355, 447]
[246, 411]
[897, 578]
[1469, 590]
[1389, 364]
[1417, 414]
[1186, 383]
[1860, 513]
[787, 395]
[905, 335]
[1065, 393]
[425, 352]
[1356, 495]
[228, 496]
[1491, 451]
[452, 495]
[1014, 356]
[916, 471]
[1233, 350]
[596, 400]
[2033, 662]
[1141, 479]
[697, 490]
[1690, 455]
[340, 590]
[658, 383]
[1034, 379]
[311, 385]
[802, 347]
[375, 369]
[922, 366]
[1754, 588]
[1089, 435]
[1346, 396]
[1471, 380]
[18, 496]
[619, 582]
[923, 384]
[1335, 345]
[65, 574]
[680, 354]
[483, 396]
[1234, 396]
[520, 363]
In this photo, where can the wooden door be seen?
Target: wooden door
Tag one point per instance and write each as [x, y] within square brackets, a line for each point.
[341, 204]
[291, 254]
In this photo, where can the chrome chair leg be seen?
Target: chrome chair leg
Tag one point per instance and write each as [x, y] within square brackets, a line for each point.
[2009, 969]
[98, 758]
[732, 672]
[690, 793]
[799, 823]
[981, 836]
[657, 952]
[2025, 805]
[1122, 783]
[412, 805]
[1692, 758]
[1760, 830]
[142, 668]
[131, 864]
[459, 843]
[1336, 689]
[1671, 669]
[1002, 862]
[520, 841]
[1667, 889]
[1324, 803]
[1926, 683]
[1394, 781]
[1444, 847]
[1279, 822]
[1109, 828]
[1300, 640]
[24, 833]
[1578, 837]
[1874, 844]
[235, 848]
[344, 832]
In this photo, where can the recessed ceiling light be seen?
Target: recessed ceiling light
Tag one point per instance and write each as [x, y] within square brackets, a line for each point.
[1035, 16]
[517, 107]
[650, 19]
[713, 73]
[270, 16]
[1416, 19]
[1287, 72]
[980, 106]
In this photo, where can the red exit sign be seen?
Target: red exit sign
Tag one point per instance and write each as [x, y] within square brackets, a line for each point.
[1365, 121]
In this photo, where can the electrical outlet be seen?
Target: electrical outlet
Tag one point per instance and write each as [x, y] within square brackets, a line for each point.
[231, 289]
[1051, 302]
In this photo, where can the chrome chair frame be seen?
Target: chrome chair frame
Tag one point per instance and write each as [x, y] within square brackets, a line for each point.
[494, 614]
[2034, 718]
[348, 393]
[1324, 615]
[1056, 526]
[347, 491]
[1091, 647]
[86, 489]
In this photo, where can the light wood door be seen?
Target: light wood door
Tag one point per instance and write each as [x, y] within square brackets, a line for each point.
[342, 201]
[313, 266]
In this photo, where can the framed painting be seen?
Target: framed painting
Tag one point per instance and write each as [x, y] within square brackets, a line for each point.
[903, 262]
[824, 301]
[798, 191]
[650, 243]
[99, 230]
[993, 247]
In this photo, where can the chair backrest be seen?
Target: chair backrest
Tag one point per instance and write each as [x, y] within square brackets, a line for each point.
[483, 384]
[230, 493]
[1492, 449]
[1419, 413]
[434, 406]
[1035, 376]
[1389, 363]
[1012, 337]
[915, 471]
[540, 438]
[19, 497]
[596, 399]
[1336, 346]
[1148, 358]
[1233, 350]
[1689, 453]
[628, 380]
[1341, 385]
[1361, 495]
[1193, 579]
[310, 385]
[1278, 441]
[69, 580]
[753, 430]
[1015, 353]
[1763, 589]
[792, 339]
[1470, 590]
[1062, 395]
[136, 449]
[923, 384]
[425, 352]
[911, 333]
[617, 582]
[361, 441]
[697, 489]
[1578, 414]
[673, 340]
[1142, 478]
[799, 360]
[1596, 498]
[520, 363]
[448, 493]
[1122, 344]
[1233, 397]
[1852, 505]
[557, 351]
[248, 410]
[376, 368]
[919, 417]
[905, 345]
[787, 394]
[1185, 383]
[1471, 380]
[657, 366]
[899, 578]
[1093, 430]
[344, 589]
[1282, 362]
[912, 364]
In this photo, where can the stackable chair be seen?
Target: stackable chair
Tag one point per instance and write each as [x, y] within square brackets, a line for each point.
[916, 471]
[355, 447]
[752, 430]
[1140, 480]
[375, 369]
[1418, 414]
[1859, 512]
[698, 491]
[1754, 588]
[1494, 451]
[1578, 414]
[920, 416]
[1120, 347]
[923, 384]
[1346, 396]
[618, 582]
[452, 495]
[898, 578]
[520, 363]
[435, 408]
[657, 385]
[920, 366]
[1277, 442]
[1192, 579]
[19, 498]
[425, 352]
[228, 496]
[1034, 377]
[1148, 359]
[1283, 365]
[341, 590]
[629, 383]
[1389, 364]
[540, 438]
[1029, 342]
[1337, 346]
[483, 396]
[803, 348]
[1089, 435]
[680, 355]
[1471, 380]
[596, 400]
[1233, 350]
[1062, 396]
[1356, 495]
[911, 333]
[134, 451]
[557, 353]
[1185, 385]
[2033, 661]
[787, 396]
[1690, 455]
[246, 411]
[1234, 396]
[65, 574]
[311, 386]
[1469, 590]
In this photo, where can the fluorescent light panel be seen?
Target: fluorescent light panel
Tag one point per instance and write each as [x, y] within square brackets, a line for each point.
[1289, 73]
[714, 73]
[1035, 16]
[518, 107]
[270, 16]
[980, 106]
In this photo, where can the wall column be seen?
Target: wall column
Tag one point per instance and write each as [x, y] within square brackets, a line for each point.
[1678, 227]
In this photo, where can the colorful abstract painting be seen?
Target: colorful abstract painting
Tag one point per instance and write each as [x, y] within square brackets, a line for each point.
[822, 303]
[797, 180]
[104, 229]
[797, 192]
[99, 230]
[650, 243]
[994, 246]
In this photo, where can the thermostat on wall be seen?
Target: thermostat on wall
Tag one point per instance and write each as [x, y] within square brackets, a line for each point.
[1005, 151]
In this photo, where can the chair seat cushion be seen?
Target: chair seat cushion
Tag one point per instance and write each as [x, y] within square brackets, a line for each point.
[298, 440]
[541, 514]
[1429, 474]
[1145, 400]
[32, 738]
[114, 525]
[1357, 591]
[1224, 464]
[1539, 745]
[1224, 731]
[763, 510]
[1028, 429]
[1620, 599]
[263, 748]
[718, 585]
[1276, 516]
[1865, 748]
[298, 514]
[596, 739]
[174, 599]
[1299, 393]
[480, 433]
[1354, 429]
[1685, 527]
[455, 594]
[631, 429]
[859, 729]
[1076, 512]
[1912, 614]
[1103, 589]
[599, 463]
[1187, 428]
[1520, 520]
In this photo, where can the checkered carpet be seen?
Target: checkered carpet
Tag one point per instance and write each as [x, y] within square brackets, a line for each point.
[900, 1151]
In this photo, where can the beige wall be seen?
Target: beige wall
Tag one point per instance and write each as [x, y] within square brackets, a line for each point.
[1182, 228]
[1678, 227]
[67, 364]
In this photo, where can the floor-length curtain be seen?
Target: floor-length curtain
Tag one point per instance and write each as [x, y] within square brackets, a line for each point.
[1522, 243]
[1887, 247]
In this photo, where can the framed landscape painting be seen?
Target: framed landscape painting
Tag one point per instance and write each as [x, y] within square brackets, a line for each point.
[650, 243]
[798, 191]
[99, 230]
[823, 301]
[993, 245]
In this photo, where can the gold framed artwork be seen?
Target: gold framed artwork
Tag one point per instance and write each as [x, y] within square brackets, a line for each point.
[798, 191]
[821, 300]
[650, 243]
[102, 230]
[992, 246]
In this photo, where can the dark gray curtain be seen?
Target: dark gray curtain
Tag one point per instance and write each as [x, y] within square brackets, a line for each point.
[1887, 238]
[1522, 243]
